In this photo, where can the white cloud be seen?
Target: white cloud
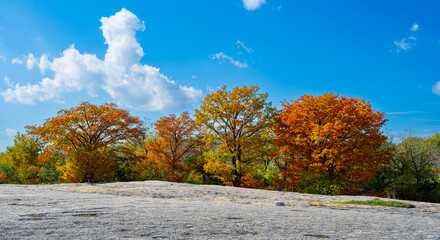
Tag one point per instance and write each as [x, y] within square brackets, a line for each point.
[10, 132]
[241, 44]
[17, 61]
[402, 113]
[436, 88]
[408, 42]
[7, 81]
[44, 63]
[31, 61]
[2, 58]
[120, 73]
[404, 44]
[415, 27]
[221, 56]
[253, 4]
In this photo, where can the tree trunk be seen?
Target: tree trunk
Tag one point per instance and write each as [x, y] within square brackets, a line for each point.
[236, 182]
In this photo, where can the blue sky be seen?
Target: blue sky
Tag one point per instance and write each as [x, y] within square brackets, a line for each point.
[158, 57]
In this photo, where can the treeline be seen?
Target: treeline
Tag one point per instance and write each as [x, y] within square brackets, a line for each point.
[325, 144]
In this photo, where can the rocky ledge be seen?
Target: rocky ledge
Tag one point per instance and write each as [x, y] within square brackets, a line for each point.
[163, 210]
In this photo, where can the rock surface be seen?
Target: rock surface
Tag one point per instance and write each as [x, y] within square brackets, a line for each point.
[163, 210]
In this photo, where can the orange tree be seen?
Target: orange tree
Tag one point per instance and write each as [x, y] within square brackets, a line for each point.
[237, 119]
[177, 139]
[89, 136]
[330, 143]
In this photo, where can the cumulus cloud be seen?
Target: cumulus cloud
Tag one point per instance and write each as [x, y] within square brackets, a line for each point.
[408, 42]
[222, 56]
[44, 63]
[10, 132]
[31, 61]
[120, 73]
[253, 4]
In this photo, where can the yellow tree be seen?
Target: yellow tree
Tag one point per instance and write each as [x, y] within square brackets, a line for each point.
[89, 135]
[237, 118]
[330, 136]
[177, 138]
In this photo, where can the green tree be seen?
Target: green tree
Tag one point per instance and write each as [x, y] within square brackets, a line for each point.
[24, 157]
[414, 170]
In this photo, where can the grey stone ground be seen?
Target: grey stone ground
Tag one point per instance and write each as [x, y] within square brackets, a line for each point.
[162, 210]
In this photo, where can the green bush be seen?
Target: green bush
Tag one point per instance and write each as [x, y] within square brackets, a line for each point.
[315, 183]
[9, 172]
[50, 174]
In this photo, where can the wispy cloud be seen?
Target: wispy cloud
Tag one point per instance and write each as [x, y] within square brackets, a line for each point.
[415, 27]
[10, 132]
[7, 81]
[120, 73]
[17, 60]
[241, 45]
[222, 56]
[406, 43]
[253, 4]
[2, 58]
[403, 113]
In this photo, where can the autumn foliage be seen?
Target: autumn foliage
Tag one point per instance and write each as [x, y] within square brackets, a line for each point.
[89, 135]
[237, 119]
[326, 144]
[177, 139]
[332, 138]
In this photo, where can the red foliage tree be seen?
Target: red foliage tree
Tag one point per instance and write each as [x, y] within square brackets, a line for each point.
[177, 138]
[332, 136]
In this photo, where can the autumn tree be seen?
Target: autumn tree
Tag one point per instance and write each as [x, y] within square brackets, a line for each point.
[330, 142]
[237, 119]
[89, 136]
[177, 139]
